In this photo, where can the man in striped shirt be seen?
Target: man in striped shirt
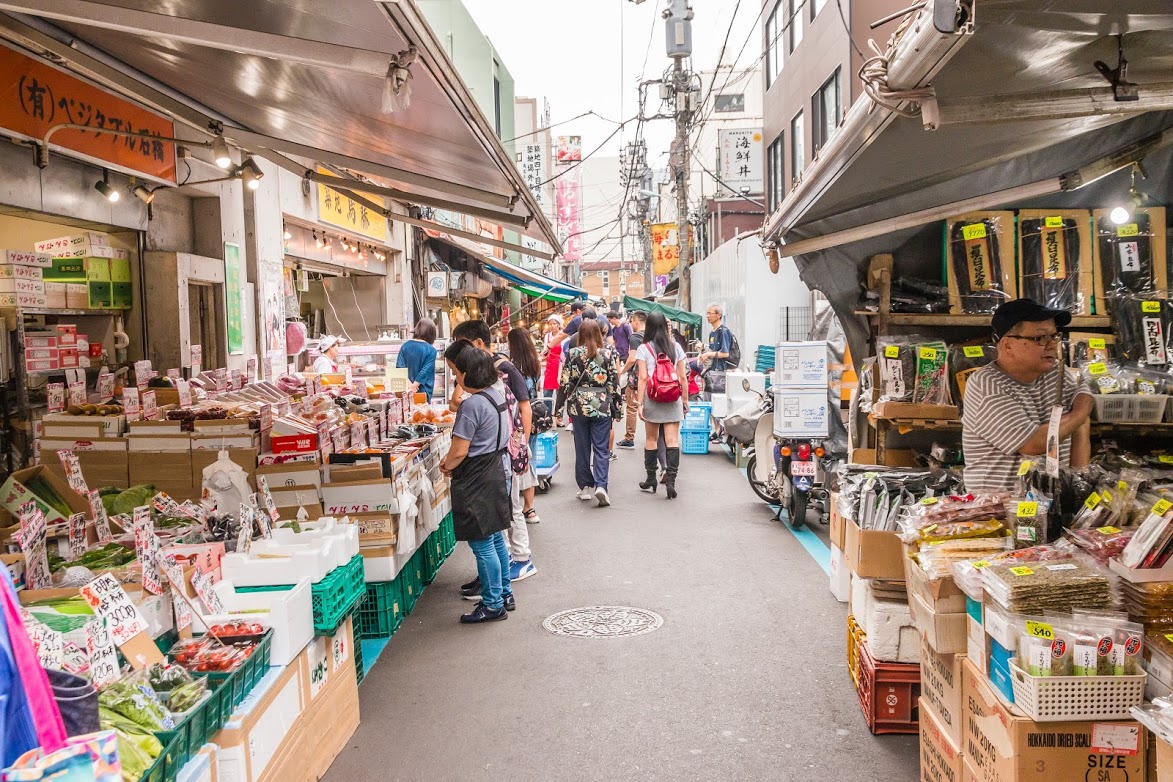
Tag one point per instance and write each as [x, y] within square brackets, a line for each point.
[1007, 405]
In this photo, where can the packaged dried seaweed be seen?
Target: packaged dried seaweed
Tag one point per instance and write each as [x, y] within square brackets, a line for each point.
[1057, 586]
[964, 360]
[932, 374]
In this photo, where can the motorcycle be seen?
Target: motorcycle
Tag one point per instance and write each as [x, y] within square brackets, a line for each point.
[802, 461]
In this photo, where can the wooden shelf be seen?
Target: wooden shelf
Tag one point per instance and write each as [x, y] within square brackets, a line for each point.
[915, 423]
[960, 321]
[46, 311]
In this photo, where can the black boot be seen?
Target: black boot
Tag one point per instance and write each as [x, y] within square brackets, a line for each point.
[650, 466]
[670, 474]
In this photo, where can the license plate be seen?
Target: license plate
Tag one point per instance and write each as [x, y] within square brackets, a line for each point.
[802, 468]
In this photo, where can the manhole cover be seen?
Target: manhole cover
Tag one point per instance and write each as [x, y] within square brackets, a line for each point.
[603, 622]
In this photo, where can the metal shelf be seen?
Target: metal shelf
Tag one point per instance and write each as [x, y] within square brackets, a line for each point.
[53, 372]
[95, 313]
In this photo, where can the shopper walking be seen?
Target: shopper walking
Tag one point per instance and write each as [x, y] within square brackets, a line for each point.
[478, 463]
[592, 398]
[512, 385]
[630, 373]
[419, 357]
[524, 356]
[662, 407]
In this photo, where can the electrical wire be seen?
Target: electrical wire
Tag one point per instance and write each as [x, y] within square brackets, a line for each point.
[847, 27]
[648, 51]
[568, 169]
[341, 325]
[358, 307]
[590, 113]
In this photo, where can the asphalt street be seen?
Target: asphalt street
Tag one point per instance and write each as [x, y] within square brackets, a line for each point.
[745, 680]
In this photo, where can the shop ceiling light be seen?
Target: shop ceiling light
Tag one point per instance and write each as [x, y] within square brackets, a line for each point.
[143, 193]
[317, 241]
[251, 173]
[104, 188]
[220, 152]
[287, 236]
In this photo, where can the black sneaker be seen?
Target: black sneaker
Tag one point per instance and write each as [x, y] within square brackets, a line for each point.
[510, 602]
[471, 590]
[483, 614]
[628, 444]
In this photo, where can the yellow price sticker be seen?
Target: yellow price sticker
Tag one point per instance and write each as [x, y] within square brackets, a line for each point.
[1053, 222]
[1150, 306]
[1097, 368]
[1122, 485]
[928, 354]
[929, 501]
[1024, 468]
[973, 351]
[1165, 458]
[1040, 630]
[981, 563]
[1027, 510]
[1092, 501]
[975, 231]
[1107, 495]
[1107, 530]
[1169, 637]
[892, 351]
[1022, 570]
[1162, 507]
[1131, 229]
[1097, 343]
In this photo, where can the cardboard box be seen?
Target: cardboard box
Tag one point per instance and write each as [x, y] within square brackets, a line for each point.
[340, 473]
[161, 469]
[22, 258]
[268, 720]
[245, 457]
[946, 633]
[873, 554]
[376, 529]
[77, 297]
[40, 339]
[22, 300]
[216, 442]
[15, 492]
[291, 474]
[103, 462]
[290, 457]
[942, 595]
[12, 271]
[112, 425]
[221, 426]
[895, 457]
[179, 442]
[55, 295]
[940, 689]
[1164, 761]
[1004, 747]
[801, 412]
[66, 334]
[1035, 231]
[987, 233]
[940, 754]
[42, 354]
[296, 443]
[64, 244]
[909, 410]
[335, 715]
[21, 285]
[360, 497]
[838, 529]
[800, 365]
[68, 358]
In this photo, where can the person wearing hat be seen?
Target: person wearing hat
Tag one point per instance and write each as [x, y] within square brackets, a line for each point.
[1007, 406]
[327, 362]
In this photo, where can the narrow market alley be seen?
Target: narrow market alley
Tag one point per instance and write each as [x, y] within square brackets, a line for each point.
[745, 678]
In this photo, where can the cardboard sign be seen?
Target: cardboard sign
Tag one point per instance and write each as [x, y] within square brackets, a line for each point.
[146, 547]
[142, 375]
[102, 652]
[77, 393]
[49, 645]
[55, 397]
[244, 536]
[196, 360]
[76, 661]
[174, 374]
[358, 434]
[130, 403]
[105, 386]
[338, 438]
[269, 506]
[150, 406]
[32, 545]
[111, 603]
[373, 432]
[266, 418]
[77, 536]
[202, 583]
[174, 573]
[98, 513]
[184, 388]
[221, 381]
[236, 378]
[72, 467]
[250, 369]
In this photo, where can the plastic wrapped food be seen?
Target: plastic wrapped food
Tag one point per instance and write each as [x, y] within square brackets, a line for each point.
[932, 374]
[1047, 586]
[135, 699]
[1049, 260]
[940, 560]
[1102, 543]
[897, 357]
[976, 263]
[958, 530]
[1045, 645]
[1125, 252]
[1087, 347]
[1145, 328]
[964, 360]
[1029, 518]
[1109, 378]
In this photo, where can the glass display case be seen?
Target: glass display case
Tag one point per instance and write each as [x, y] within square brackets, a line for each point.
[370, 359]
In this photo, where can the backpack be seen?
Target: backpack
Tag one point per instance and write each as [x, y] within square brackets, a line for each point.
[540, 418]
[664, 383]
[518, 448]
[734, 360]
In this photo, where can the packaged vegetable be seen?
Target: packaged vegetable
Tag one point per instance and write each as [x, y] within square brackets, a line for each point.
[135, 699]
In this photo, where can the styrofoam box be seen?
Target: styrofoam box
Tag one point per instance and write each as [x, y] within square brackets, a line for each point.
[22, 258]
[344, 535]
[279, 565]
[840, 575]
[288, 612]
[800, 364]
[734, 391]
[801, 412]
[21, 285]
[720, 403]
[892, 637]
[377, 569]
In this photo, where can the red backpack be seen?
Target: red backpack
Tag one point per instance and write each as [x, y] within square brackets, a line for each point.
[664, 383]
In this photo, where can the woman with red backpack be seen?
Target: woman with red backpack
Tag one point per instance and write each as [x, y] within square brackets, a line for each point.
[663, 399]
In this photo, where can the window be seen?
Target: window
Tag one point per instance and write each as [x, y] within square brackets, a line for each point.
[816, 6]
[826, 110]
[773, 52]
[794, 20]
[775, 172]
[797, 150]
[606, 277]
[733, 102]
[496, 98]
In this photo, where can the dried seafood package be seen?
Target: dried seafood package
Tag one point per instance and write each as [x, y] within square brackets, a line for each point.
[932, 374]
[1055, 586]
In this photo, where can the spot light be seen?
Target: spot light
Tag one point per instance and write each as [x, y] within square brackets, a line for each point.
[104, 188]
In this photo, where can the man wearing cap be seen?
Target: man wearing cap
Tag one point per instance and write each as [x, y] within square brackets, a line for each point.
[1007, 407]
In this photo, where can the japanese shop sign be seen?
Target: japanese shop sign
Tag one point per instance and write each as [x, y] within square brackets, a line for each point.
[568, 213]
[569, 149]
[533, 170]
[739, 160]
[36, 96]
[665, 248]
[341, 210]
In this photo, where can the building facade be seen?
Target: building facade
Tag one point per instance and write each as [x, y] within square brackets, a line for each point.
[610, 281]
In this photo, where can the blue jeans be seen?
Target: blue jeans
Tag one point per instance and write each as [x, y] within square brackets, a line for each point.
[493, 569]
[592, 456]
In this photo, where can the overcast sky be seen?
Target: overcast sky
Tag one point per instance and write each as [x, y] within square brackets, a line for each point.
[591, 54]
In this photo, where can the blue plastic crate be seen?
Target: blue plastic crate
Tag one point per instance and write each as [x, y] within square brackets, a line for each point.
[694, 442]
[697, 417]
[545, 449]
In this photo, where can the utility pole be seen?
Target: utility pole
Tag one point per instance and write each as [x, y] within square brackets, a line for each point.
[678, 29]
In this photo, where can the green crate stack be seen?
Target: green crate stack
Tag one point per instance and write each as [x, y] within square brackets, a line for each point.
[334, 597]
[448, 527]
[382, 612]
[433, 549]
[359, 670]
[197, 728]
[412, 578]
[232, 687]
[166, 767]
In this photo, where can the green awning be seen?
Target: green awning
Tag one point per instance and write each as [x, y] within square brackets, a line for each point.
[671, 313]
[543, 293]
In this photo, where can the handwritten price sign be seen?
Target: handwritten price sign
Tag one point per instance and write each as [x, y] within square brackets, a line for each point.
[77, 535]
[110, 602]
[32, 545]
[98, 512]
[72, 467]
[103, 654]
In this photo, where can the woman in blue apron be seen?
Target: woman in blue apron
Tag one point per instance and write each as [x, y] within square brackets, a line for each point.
[481, 507]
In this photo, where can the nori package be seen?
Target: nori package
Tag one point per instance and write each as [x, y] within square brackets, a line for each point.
[1049, 265]
[1126, 255]
[976, 264]
[1086, 347]
[964, 360]
[898, 366]
[1144, 326]
[932, 374]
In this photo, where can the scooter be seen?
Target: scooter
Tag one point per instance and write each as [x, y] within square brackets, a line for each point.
[802, 461]
[752, 425]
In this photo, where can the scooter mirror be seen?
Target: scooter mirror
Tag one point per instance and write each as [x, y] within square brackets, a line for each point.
[745, 384]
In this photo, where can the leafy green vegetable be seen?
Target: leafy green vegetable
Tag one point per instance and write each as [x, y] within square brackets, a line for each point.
[137, 703]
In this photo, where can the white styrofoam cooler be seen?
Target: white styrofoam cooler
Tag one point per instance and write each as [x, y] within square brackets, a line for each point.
[736, 394]
[271, 564]
[801, 412]
[344, 537]
[288, 612]
[801, 364]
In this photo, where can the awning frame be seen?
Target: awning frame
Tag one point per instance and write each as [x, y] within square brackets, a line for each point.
[516, 275]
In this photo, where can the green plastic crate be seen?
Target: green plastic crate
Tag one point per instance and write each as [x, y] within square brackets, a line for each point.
[166, 767]
[234, 686]
[334, 597]
[359, 668]
[382, 612]
[412, 578]
[197, 728]
[448, 527]
[433, 549]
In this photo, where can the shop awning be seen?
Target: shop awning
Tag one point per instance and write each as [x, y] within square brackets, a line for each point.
[295, 82]
[528, 282]
[671, 313]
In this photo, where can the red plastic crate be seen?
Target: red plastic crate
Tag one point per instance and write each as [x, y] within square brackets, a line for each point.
[888, 694]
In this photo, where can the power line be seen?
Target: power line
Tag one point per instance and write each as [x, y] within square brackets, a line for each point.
[591, 113]
[590, 154]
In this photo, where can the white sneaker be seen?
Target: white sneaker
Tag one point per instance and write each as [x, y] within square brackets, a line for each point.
[586, 493]
[601, 496]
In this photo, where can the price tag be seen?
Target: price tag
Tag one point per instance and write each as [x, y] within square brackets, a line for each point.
[244, 536]
[174, 375]
[929, 354]
[1067, 566]
[972, 232]
[250, 369]
[358, 434]
[1022, 570]
[174, 573]
[1107, 530]
[1150, 306]
[1130, 229]
[202, 583]
[981, 563]
[266, 418]
[196, 360]
[974, 351]
[32, 545]
[1026, 510]
[150, 406]
[221, 381]
[49, 645]
[1097, 368]
[77, 660]
[1165, 459]
[1097, 343]
[1053, 222]
[72, 467]
[111, 603]
[102, 651]
[372, 432]
[929, 501]
[77, 393]
[892, 351]
[142, 375]
[1040, 630]
[1024, 468]
[360, 389]
[98, 514]
[55, 397]
[1107, 495]
[146, 546]
[184, 389]
[338, 437]
[77, 536]
[269, 505]
[1162, 507]
[1092, 501]
[130, 403]
[105, 387]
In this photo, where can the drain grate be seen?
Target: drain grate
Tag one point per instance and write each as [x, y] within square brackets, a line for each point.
[603, 622]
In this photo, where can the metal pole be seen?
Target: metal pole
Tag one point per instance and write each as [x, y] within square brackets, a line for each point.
[682, 170]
